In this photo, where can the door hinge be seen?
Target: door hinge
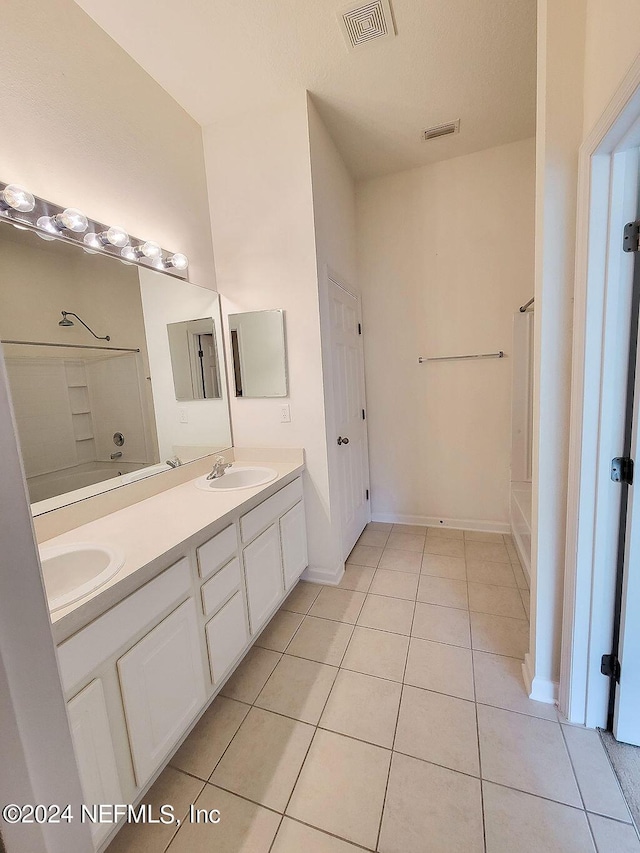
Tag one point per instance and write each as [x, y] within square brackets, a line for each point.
[367, 493]
[359, 328]
[631, 242]
[364, 417]
[610, 666]
[622, 470]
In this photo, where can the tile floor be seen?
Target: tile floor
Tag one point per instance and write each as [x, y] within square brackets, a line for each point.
[388, 714]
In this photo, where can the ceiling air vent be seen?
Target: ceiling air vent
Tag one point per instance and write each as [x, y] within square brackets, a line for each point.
[366, 22]
[441, 130]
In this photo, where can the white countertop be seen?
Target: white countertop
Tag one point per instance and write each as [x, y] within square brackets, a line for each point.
[149, 531]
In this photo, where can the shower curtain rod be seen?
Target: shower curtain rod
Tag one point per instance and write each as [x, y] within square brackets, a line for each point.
[524, 307]
[68, 346]
[500, 354]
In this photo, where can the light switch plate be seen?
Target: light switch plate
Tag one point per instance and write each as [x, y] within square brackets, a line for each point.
[285, 413]
[183, 416]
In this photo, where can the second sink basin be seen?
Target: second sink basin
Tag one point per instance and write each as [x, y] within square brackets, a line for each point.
[73, 571]
[246, 477]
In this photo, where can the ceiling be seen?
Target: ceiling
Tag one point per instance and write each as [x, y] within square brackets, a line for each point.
[467, 59]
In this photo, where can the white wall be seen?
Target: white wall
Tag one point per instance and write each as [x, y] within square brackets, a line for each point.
[260, 192]
[445, 259]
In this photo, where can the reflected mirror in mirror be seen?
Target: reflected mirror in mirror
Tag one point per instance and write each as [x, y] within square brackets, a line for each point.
[259, 353]
[194, 359]
[85, 342]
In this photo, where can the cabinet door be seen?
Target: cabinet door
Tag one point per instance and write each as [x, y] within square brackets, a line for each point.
[94, 752]
[163, 688]
[293, 537]
[263, 574]
[227, 637]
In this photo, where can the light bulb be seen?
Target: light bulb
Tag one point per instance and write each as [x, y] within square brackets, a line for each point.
[92, 241]
[72, 219]
[178, 261]
[115, 236]
[129, 253]
[44, 236]
[47, 224]
[17, 198]
[150, 250]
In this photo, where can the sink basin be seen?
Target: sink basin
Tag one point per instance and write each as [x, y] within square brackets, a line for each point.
[73, 571]
[247, 477]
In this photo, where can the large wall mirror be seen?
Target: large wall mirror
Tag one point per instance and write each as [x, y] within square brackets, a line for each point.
[104, 365]
[258, 347]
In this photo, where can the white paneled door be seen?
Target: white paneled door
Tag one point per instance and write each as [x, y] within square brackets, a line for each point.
[350, 459]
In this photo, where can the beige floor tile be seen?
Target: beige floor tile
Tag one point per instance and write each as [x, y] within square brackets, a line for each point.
[444, 546]
[363, 707]
[387, 614]
[365, 555]
[498, 574]
[483, 536]
[613, 836]
[436, 666]
[280, 630]
[432, 809]
[413, 529]
[500, 635]
[343, 605]
[597, 782]
[519, 575]
[395, 584]
[499, 683]
[526, 753]
[493, 552]
[172, 787]
[377, 653]
[321, 640]
[442, 624]
[445, 532]
[294, 837]
[341, 787]
[264, 759]
[401, 561]
[357, 577]
[204, 747]
[379, 525]
[496, 600]
[302, 597]
[298, 688]
[519, 823]
[244, 827]
[444, 567]
[373, 538]
[438, 728]
[524, 595]
[443, 591]
[406, 542]
[251, 676]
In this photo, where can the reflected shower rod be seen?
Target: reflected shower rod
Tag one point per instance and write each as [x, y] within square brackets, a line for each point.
[69, 346]
[500, 354]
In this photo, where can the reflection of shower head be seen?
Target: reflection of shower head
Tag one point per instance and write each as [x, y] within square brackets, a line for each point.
[67, 322]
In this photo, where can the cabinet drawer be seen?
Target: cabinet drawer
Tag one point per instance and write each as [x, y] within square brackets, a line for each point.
[217, 551]
[86, 650]
[271, 509]
[216, 591]
[163, 688]
[227, 637]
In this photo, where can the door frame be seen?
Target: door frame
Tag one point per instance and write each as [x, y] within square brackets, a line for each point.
[608, 166]
[330, 275]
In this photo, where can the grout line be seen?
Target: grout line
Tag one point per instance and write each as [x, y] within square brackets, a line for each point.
[475, 697]
[182, 822]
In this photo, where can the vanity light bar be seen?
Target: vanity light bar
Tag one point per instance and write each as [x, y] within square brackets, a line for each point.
[51, 222]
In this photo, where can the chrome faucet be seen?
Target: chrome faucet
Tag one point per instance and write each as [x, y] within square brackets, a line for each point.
[116, 455]
[220, 466]
[174, 462]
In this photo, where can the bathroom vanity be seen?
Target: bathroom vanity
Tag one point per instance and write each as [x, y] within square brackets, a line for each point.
[142, 658]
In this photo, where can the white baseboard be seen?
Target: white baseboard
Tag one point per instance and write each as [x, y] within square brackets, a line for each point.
[540, 689]
[317, 574]
[456, 523]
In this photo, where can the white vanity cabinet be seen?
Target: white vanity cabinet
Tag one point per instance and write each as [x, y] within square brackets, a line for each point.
[293, 538]
[163, 688]
[263, 573]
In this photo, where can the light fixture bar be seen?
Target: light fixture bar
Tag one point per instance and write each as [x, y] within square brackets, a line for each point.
[53, 222]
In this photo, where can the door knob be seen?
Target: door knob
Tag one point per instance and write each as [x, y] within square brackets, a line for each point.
[342, 440]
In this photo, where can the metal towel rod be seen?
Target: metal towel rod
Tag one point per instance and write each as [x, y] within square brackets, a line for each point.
[524, 307]
[68, 346]
[500, 354]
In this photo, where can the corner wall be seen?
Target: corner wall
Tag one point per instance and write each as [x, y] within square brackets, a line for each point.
[445, 259]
